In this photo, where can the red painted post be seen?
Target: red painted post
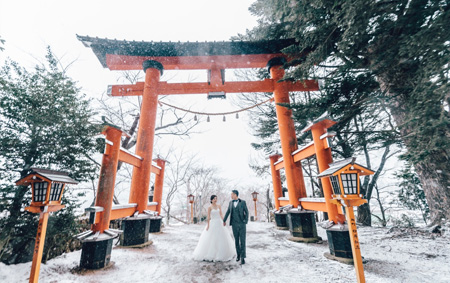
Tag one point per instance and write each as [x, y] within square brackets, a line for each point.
[140, 180]
[354, 241]
[324, 158]
[276, 180]
[39, 247]
[107, 179]
[293, 170]
[159, 182]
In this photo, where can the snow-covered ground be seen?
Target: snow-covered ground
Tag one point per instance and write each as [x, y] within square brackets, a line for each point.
[392, 256]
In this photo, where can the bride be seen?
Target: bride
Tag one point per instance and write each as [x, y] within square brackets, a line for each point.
[215, 243]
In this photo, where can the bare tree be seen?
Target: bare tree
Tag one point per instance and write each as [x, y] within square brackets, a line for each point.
[177, 173]
[380, 202]
[204, 182]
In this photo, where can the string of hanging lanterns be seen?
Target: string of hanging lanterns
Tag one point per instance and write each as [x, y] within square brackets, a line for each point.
[215, 114]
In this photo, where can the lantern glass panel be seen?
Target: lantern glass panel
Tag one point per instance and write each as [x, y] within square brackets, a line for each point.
[350, 183]
[55, 191]
[335, 184]
[39, 191]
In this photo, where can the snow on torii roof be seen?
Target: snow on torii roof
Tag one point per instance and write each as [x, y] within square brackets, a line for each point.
[52, 175]
[324, 118]
[340, 165]
[102, 47]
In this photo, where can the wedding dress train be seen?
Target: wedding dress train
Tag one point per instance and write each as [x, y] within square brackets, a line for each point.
[216, 244]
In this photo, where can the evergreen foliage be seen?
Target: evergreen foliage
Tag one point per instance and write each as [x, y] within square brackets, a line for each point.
[411, 194]
[404, 45]
[2, 41]
[44, 122]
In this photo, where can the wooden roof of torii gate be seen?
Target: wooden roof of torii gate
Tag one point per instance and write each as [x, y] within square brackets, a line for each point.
[129, 55]
[211, 56]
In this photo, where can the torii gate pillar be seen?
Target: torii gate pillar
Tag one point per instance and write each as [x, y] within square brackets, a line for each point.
[146, 133]
[96, 250]
[136, 229]
[288, 139]
[276, 180]
[159, 182]
[324, 157]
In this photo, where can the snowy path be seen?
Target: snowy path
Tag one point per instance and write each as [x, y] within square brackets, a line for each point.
[270, 258]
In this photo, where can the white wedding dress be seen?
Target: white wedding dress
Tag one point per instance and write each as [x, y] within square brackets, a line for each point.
[215, 244]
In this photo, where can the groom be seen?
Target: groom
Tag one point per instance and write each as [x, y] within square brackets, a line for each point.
[237, 209]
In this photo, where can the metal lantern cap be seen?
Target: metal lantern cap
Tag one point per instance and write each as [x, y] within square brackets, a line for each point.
[345, 165]
[344, 177]
[42, 179]
[255, 195]
[51, 175]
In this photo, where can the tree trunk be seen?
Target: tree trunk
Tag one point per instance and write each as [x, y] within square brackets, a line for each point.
[434, 180]
[168, 215]
[364, 215]
[382, 210]
[434, 171]
[269, 204]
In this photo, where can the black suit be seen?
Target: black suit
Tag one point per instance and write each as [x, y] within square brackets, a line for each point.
[238, 220]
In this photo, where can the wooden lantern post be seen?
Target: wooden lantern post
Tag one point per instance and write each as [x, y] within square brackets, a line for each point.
[191, 201]
[344, 178]
[47, 187]
[255, 198]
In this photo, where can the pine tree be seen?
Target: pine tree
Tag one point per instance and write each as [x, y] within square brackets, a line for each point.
[44, 122]
[411, 194]
[404, 44]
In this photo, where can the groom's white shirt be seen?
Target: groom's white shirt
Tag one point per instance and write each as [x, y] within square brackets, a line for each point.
[235, 203]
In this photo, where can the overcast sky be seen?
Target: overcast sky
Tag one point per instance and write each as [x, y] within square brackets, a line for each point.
[29, 26]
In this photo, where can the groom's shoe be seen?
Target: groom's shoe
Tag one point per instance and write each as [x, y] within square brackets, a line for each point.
[238, 258]
[242, 261]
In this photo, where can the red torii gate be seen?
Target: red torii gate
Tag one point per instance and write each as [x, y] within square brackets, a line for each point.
[215, 57]
[320, 148]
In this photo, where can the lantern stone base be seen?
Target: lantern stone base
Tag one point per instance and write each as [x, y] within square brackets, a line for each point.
[282, 228]
[305, 240]
[348, 261]
[339, 242]
[146, 244]
[96, 252]
[302, 226]
[135, 230]
[281, 220]
[155, 224]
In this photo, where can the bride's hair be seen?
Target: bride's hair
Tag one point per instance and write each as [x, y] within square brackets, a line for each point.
[212, 197]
